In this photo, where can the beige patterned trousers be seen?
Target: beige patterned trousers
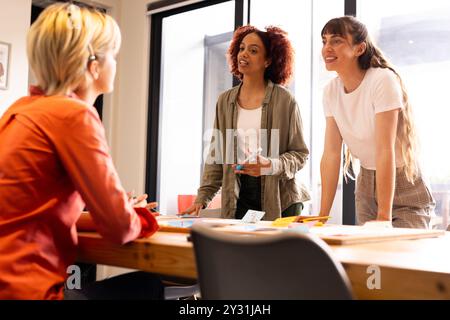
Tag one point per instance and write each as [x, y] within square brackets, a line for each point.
[413, 204]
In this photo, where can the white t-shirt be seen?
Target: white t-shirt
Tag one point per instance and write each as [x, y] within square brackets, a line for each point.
[355, 112]
[248, 131]
[249, 137]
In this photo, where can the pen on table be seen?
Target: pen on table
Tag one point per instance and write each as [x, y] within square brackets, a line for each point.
[251, 157]
[313, 218]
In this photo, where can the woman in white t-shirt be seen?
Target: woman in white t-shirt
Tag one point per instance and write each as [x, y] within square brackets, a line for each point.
[367, 108]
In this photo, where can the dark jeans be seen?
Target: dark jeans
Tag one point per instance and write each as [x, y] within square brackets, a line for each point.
[129, 286]
[250, 198]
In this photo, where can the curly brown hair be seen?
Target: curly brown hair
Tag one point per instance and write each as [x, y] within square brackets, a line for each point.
[278, 49]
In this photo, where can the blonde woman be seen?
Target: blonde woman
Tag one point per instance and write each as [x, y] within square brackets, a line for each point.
[367, 108]
[54, 159]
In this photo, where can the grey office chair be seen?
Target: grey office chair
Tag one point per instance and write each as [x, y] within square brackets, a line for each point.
[181, 292]
[180, 289]
[283, 266]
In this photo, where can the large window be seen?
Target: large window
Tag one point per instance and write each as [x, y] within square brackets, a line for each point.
[193, 73]
[303, 20]
[415, 36]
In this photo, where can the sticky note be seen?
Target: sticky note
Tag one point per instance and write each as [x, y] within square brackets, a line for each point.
[284, 222]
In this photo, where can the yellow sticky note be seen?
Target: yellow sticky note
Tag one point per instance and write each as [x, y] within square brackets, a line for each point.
[284, 222]
[319, 224]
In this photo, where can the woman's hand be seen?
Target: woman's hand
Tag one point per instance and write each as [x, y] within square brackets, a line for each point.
[151, 206]
[193, 210]
[141, 202]
[253, 169]
[324, 220]
[137, 201]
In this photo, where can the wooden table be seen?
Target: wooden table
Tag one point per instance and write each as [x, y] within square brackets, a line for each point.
[410, 269]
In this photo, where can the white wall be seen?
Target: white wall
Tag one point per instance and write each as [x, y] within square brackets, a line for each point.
[130, 118]
[14, 23]
[125, 111]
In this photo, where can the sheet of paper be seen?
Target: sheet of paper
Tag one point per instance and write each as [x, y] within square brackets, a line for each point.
[253, 216]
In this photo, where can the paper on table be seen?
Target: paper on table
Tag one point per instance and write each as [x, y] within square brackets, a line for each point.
[253, 216]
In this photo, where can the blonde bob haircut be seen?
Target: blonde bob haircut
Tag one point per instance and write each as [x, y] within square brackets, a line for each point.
[64, 40]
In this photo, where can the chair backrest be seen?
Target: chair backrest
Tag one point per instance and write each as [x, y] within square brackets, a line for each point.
[283, 266]
[185, 201]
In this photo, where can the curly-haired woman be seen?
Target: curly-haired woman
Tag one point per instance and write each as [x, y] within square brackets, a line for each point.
[263, 116]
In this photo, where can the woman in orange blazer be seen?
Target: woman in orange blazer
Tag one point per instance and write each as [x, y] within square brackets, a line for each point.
[54, 158]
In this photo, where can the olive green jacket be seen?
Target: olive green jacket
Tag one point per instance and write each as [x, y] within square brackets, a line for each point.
[279, 191]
